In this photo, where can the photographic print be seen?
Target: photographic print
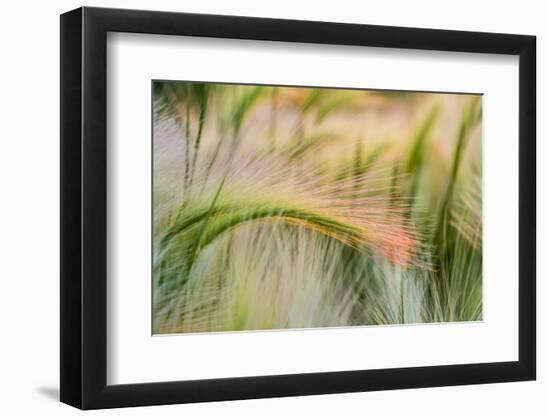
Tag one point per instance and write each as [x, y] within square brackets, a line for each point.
[283, 207]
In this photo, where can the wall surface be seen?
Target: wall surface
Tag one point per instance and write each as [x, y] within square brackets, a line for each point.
[29, 177]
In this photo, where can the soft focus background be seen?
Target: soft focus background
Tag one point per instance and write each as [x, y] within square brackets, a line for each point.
[30, 230]
[284, 207]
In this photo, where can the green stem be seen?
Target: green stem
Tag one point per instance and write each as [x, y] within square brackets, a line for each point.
[202, 117]
[187, 145]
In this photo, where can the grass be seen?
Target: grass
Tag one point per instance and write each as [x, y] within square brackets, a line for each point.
[274, 209]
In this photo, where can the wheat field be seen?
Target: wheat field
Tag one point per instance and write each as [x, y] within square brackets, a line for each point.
[288, 207]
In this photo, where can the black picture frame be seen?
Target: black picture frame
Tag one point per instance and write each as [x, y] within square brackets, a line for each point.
[84, 207]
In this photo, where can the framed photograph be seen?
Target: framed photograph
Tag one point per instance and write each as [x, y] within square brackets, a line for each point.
[256, 208]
